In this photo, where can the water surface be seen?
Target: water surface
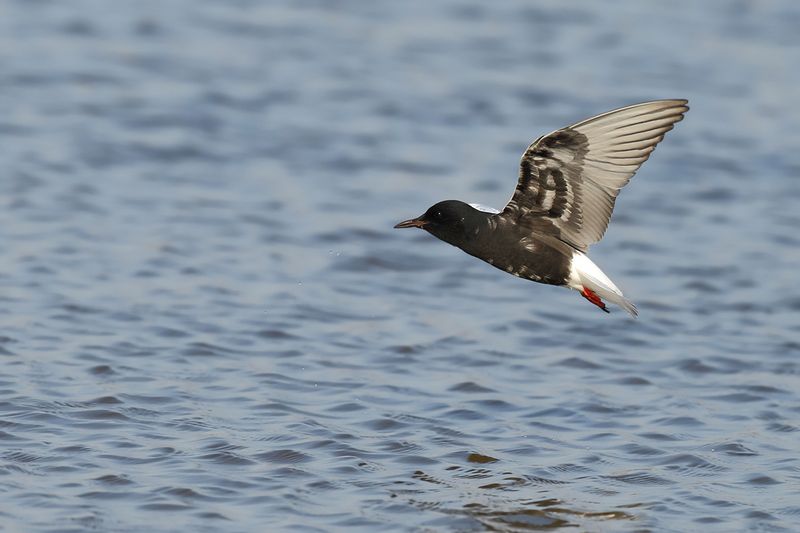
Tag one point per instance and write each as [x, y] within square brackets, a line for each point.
[208, 323]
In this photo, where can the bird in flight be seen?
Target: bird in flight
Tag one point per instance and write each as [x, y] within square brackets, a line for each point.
[568, 183]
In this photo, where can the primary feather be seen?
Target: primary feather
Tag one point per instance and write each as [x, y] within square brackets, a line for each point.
[570, 179]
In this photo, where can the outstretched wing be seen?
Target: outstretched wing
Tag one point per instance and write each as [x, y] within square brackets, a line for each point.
[570, 179]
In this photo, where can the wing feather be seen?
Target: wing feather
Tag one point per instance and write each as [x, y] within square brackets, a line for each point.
[570, 179]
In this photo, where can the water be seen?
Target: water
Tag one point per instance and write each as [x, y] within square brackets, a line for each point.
[208, 323]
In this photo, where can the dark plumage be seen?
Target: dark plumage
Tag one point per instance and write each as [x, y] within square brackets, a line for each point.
[568, 183]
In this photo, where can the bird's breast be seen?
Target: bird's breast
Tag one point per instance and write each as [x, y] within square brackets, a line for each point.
[528, 258]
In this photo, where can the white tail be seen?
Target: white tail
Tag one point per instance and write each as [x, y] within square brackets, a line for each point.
[584, 274]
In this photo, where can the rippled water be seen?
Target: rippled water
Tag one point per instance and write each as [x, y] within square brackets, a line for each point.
[209, 324]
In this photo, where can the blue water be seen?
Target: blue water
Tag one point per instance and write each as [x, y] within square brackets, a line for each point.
[207, 322]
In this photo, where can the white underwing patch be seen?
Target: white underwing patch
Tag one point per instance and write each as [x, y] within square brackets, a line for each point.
[485, 208]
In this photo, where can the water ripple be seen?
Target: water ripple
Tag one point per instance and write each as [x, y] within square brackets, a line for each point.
[208, 322]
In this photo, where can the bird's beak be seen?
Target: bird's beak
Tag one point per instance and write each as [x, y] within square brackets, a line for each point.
[411, 223]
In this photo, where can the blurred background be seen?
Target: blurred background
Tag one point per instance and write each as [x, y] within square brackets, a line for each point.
[208, 322]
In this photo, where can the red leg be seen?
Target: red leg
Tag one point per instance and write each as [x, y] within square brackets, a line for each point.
[590, 295]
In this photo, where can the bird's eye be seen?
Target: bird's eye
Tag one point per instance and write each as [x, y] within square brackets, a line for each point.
[438, 214]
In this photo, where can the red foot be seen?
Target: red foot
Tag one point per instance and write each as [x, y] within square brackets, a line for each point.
[590, 295]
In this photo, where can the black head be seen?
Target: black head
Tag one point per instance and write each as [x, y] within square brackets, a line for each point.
[451, 221]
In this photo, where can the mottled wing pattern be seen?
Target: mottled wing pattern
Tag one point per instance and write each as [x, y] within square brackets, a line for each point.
[570, 179]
